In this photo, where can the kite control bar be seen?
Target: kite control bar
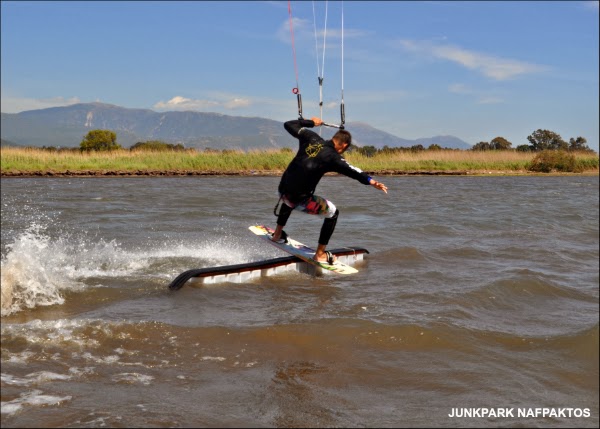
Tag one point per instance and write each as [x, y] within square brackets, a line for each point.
[343, 114]
[341, 127]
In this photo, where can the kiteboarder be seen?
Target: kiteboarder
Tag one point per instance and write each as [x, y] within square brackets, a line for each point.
[314, 158]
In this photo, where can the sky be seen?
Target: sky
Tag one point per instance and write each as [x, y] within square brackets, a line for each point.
[474, 70]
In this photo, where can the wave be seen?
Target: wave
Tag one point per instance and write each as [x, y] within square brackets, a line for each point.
[581, 345]
[393, 256]
[93, 340]
[37, 269]
[525, 283]
[33, 398]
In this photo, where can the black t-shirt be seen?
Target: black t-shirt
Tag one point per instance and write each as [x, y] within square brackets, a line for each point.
[314, 158]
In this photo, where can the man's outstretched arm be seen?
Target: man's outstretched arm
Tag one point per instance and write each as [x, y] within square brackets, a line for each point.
[293, 127]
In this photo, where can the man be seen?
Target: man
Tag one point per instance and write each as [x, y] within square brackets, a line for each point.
[314, 158]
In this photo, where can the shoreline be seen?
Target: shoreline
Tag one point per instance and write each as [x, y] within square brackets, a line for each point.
[270, 173]
[39, 163]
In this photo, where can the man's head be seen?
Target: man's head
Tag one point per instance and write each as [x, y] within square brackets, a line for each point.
[342, 141]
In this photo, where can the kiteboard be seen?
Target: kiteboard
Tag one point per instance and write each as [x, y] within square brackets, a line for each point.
[302, 251]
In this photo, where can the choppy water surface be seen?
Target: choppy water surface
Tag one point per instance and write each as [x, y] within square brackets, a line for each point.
[478, 292]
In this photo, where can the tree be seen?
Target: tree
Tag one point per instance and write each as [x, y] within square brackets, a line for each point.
[100, 140]
[555, 160]
[500, 143]
[578, 144]
[523, 148]
[481, 146]
[157, 145]
[434, 146]
[546, 140]
[367, 151]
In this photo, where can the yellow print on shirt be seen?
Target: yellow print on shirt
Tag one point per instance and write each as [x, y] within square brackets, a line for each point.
[313, 149]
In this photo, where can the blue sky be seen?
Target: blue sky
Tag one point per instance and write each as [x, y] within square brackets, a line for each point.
[475, 70]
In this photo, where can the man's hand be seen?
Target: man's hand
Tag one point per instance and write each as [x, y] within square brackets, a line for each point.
[379, 185]
[318, 122]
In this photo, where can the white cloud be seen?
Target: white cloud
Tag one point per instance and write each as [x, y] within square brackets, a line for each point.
[483, 97]
[181, 103]
[304, 33]
[493, 67]
[237, 103]
[302, 28]
[21, 104]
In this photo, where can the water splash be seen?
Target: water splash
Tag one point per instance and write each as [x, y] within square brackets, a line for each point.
[25, 280]
[39, 267]
[33, 398]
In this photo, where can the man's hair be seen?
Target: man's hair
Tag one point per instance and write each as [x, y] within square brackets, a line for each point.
[344, 137]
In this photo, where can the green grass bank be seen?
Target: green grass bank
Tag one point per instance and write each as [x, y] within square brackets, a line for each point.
[31, 161]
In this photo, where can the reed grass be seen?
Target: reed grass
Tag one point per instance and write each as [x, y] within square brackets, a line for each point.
[444, 160]
[29, 160]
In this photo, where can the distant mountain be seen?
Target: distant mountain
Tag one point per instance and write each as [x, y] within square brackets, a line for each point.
[4, 143]
[366, 135]
[66, 127]
[444, 141]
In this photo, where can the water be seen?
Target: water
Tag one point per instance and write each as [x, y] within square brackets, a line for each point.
[478, 292]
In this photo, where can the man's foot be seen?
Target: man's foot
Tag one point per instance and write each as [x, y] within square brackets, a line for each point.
[325, 257]
[282, 239]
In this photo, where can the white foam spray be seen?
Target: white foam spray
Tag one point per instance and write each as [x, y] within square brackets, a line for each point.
[37, 269]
